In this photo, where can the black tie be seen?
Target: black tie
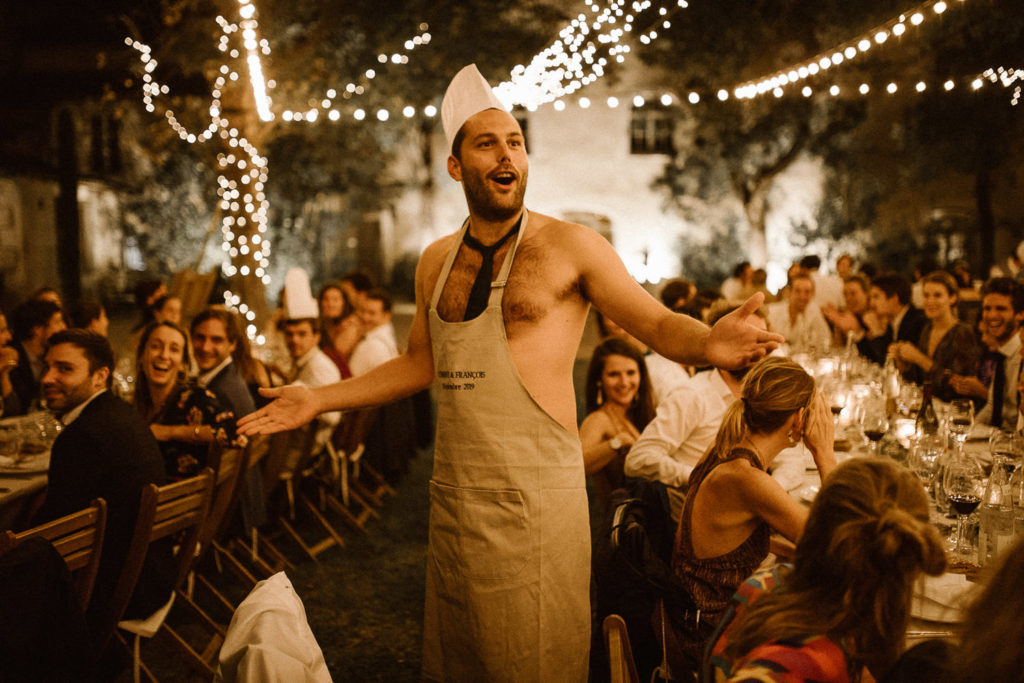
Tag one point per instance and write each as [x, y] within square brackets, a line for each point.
[482, 285]
[998, 388]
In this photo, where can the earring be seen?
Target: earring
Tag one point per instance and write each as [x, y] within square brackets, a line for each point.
[792, 441]
[600, 394]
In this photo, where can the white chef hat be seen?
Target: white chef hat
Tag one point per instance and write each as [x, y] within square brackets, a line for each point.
[298, 297]
[469, 93]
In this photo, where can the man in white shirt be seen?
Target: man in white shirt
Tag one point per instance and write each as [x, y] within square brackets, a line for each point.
[799, 319]
[311, 367]
[1002, 309]
[684, 428]
[379, 345]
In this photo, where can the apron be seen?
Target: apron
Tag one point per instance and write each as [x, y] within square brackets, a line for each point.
[508, 562]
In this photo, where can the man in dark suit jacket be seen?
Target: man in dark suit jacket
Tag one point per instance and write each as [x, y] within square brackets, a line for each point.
[217, 343]
[105, 451]
[890, 298]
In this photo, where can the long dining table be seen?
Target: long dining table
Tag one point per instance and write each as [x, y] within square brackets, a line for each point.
[24, 474]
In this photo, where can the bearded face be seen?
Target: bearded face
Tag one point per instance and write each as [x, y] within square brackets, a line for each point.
[493, 166]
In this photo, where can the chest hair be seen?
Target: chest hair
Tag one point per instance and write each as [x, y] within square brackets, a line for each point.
[534, 285]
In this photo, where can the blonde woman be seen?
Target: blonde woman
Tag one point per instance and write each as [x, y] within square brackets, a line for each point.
[845, 603]
[733, 504]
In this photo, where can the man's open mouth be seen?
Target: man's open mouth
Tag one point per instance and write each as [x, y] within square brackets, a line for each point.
[504, 178]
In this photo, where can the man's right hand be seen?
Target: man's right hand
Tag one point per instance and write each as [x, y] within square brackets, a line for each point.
[295, 405]
[8, 359]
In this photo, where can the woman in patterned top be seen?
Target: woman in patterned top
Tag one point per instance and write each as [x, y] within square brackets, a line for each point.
[733, 504]
[845, 603]
[184, 418]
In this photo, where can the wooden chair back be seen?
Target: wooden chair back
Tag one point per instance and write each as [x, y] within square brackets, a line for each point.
[350, 435]
[229, 464]
[78, 538]
[621, 664]
[173, 509]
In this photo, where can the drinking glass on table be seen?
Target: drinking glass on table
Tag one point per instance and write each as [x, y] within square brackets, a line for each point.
[964, 484]
[1008, 448]
[923, 459]
[960, 419]
[874, 421]
[10, 441]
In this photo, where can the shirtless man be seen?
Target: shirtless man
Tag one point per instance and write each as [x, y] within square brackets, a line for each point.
[509, 551]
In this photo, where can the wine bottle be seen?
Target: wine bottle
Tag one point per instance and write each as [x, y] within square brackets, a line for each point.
[927, 420]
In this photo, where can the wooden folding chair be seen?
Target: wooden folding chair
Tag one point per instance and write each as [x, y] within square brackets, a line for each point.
[293, 482]
[78, 538]
[176, 510]
[620, 655]
[356, 504]
[364, 480]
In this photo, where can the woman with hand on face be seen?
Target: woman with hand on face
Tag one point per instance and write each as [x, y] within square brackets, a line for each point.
[619, 406]
[732, 503]
[184, 418]
[947, 346]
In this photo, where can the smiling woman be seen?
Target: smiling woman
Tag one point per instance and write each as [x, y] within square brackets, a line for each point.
[619, 406]
[184, 418]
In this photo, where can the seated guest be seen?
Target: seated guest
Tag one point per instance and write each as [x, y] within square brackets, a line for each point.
[33, 323]
[799, 319]
[167, 308]
[619, 406]
[845, 603]
[47, 293]
[686, 423]
[104, 451]
[355, 285]
[8, 361]
[828, 289]
[340, 327]
[733, 504]
[947, 346]
[1002, 305]
[856, 317]
[216, 341]
[735, 289]
[183, 417]
[88, 314]
[677, 292]
[665, 375]
[889, 297]
[378, 345]
[310, 365]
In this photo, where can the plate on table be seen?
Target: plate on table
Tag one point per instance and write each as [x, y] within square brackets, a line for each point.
[28, 464]
[941, 598]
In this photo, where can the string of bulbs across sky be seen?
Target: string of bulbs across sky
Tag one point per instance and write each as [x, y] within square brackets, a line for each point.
[576, 58]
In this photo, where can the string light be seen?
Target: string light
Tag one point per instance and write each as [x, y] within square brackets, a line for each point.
[582, 51]
[839, 54]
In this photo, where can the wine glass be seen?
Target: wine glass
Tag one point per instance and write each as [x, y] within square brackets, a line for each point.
[1009, 447]
[960, 419]
[875, 423]
[964, 484]
[924, 456]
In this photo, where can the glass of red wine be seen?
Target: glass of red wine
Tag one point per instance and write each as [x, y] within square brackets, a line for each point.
[964, 484]
[874, 423]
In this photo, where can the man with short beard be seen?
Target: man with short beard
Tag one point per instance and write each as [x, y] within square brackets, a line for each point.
[501, 307]
[104, 451]
[1002, 308]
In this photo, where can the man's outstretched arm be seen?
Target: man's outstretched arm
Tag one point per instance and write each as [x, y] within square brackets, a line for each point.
[295, 405]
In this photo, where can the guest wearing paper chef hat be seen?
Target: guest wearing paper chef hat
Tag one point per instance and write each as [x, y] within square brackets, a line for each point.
[310, 367]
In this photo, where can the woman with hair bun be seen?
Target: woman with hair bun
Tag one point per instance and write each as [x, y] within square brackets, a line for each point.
[845, 602]
[733, 504]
